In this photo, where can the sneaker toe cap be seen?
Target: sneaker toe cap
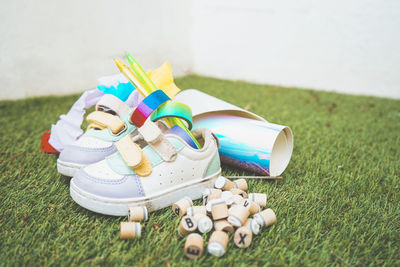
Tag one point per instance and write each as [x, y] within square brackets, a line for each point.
[101, 181]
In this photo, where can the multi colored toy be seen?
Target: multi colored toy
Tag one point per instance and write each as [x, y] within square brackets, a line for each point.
[145, 86]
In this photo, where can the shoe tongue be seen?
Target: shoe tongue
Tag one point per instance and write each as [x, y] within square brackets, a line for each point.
[112, 104]
[164, 129]
[106, 110]
[176, 130]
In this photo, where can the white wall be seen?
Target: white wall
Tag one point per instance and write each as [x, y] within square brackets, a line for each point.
[347, 46]
[59, 47]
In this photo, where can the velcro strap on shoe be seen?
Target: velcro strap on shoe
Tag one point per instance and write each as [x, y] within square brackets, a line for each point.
[174, 109]
[133, 156]
[105, 120]
[113, 103]
[145, 168]
[150, 132]
[94, 125]
[154, 137]
[147, 106]
[130, 152]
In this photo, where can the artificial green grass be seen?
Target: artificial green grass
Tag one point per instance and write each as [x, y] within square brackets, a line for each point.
[337, 205]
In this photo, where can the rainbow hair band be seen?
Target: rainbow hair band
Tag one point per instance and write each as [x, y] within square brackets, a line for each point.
[148, 106]
[158, 100]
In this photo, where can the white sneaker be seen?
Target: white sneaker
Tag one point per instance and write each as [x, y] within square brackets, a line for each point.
[164, 168]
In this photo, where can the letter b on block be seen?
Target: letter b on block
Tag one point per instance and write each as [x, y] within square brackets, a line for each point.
[189, 223]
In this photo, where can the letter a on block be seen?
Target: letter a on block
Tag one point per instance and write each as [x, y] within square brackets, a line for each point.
[177, 211]
[130, 152]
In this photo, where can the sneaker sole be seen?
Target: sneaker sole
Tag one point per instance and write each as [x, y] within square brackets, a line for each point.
[120, 207]
[67, 168]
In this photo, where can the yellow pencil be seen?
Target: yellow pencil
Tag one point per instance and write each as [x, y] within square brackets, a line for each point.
[131, 77]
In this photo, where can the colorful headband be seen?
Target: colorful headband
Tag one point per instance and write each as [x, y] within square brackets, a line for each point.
[174, 109]
[148, 106]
